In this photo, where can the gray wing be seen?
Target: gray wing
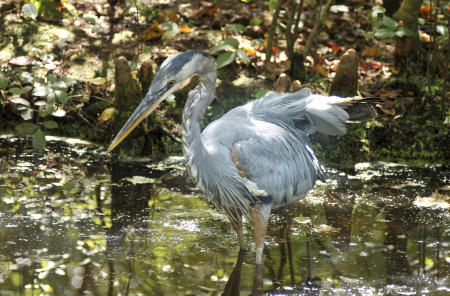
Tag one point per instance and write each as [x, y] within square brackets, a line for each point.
[271, 150]
[311, 113]
[279, 168]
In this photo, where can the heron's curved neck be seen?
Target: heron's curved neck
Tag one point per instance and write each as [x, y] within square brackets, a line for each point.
[198, 100]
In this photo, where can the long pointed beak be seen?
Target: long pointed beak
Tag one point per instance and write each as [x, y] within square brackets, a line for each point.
[144, 109]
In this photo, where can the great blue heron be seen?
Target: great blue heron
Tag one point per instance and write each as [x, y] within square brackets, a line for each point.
[256, 157]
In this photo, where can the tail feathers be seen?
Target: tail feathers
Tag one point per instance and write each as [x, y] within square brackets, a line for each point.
[328, 115]
[359, 109]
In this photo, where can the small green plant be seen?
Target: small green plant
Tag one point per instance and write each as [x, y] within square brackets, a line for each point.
[228, 57]
[53, 92]
[385, 27]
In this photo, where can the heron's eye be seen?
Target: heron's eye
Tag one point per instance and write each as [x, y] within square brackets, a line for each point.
[171, 82]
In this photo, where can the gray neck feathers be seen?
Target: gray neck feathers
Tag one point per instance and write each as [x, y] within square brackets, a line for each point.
[198, 100]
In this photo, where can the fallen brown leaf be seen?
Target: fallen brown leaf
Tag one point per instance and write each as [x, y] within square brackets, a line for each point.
[165, 16]
[184, 29]
[320, 70]
[152, 32]
[371, 52]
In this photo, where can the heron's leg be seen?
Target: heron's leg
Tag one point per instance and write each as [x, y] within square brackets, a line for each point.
[235, 217]
[260, 215]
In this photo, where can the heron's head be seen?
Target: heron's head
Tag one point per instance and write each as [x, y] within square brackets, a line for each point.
[173, 72]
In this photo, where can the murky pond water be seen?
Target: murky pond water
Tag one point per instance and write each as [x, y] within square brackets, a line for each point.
[75, 222]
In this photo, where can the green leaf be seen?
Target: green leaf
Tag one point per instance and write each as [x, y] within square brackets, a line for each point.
[39, 80]
[49, 108]
[51, 98]
[443, 30]
[27, 88]
[235, 28]
[232, 41]
[369, 35]
[51, 78]
[377, 10]
[20, 101]
[40, 103]
[27, 114]
[30, 10]
[26, 129]
[60, 85]
[166, 26]
[255, 22]
[26, 78]
[16, 91]
[421, 21]
[89, 18]
[259, 42]
[400, 32]
[62, 96]
[3, 84]
[37, 66]
[219, 47]
[273, 5]
[146, 49]
[95, 30]
[170, 33]
[39, 141]
[59, 113]
[48, 57]
[243, 56]
[385, 33]
[225, 59]
[43, 113]
[50, 124]
[67, 80]
[389, 23]
[41, 91]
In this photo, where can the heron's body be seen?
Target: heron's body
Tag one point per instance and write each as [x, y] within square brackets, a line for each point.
[256, 157]
[266, 160]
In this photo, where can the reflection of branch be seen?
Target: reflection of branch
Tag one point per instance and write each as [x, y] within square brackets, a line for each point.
[328, 257]
[291, 263]
[99, 205]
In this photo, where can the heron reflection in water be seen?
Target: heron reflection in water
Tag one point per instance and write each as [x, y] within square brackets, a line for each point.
[256, 157]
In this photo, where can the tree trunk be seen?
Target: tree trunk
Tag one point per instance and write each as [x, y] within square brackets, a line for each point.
[127, 98]
[408, 47]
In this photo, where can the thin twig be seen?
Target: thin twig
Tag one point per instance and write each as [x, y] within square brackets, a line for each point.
[316, 29]
[272, 31]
